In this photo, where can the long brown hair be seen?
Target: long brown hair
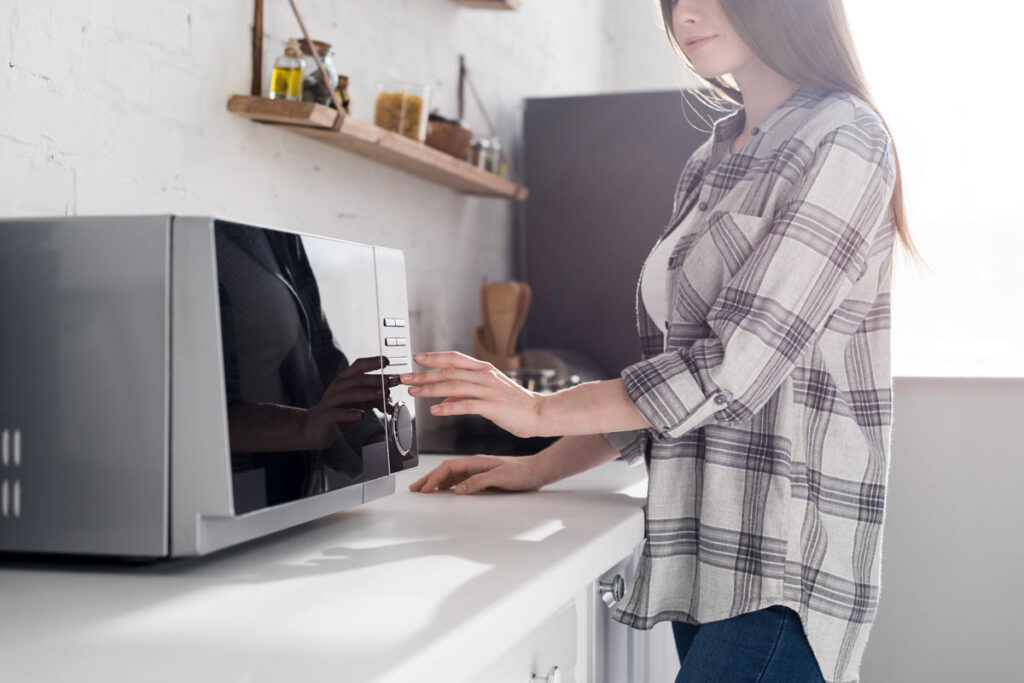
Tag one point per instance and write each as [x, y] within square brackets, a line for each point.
[807, 42]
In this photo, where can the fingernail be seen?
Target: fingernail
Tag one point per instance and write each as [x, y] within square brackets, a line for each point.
[419, 356]
[407, 377]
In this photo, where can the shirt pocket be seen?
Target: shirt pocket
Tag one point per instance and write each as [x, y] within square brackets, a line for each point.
[735, 235]
[707, 258]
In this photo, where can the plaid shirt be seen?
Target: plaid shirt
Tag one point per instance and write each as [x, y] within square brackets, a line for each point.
[770, 395]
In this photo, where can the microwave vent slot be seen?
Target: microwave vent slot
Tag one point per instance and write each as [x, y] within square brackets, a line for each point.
[10, 489]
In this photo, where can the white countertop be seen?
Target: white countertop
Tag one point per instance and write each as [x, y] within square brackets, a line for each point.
[388, 592]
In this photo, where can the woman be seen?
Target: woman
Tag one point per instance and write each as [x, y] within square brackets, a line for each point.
[762, 404]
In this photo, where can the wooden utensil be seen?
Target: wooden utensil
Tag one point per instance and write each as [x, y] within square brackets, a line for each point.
[502, 301]
[486, 338]
[525, 296]
[481, 353]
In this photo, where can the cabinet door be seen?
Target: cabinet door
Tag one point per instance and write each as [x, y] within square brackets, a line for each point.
[620, 653]
[551, 644]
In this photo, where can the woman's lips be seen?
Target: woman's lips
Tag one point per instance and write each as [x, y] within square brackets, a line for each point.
[693, 47]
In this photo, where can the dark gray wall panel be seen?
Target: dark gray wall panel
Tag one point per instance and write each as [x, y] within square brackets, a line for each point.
[601, 170]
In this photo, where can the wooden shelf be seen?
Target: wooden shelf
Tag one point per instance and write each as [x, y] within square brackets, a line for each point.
[315, 121]
[491, 4]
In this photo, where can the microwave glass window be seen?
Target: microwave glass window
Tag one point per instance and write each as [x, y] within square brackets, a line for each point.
[306, 400]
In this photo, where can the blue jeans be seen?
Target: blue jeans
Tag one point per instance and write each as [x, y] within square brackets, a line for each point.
[766, 646]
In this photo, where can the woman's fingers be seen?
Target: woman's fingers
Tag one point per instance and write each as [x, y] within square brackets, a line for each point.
[479, 482]
[348, 415]
[451, 472]
[363, 365]
[348, 397]
[350, 384]
[453, 359]
[443, 477]
[458, 389]
[444, 375]
[461, 407]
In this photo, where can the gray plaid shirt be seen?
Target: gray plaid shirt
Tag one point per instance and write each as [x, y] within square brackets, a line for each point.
[770, 396]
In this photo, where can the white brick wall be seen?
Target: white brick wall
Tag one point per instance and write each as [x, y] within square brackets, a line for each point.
[119, 106]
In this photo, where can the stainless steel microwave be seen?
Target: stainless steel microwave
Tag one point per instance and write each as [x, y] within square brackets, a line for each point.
[171, 386]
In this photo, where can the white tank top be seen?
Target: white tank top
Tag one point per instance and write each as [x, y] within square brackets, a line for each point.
[654, 282]
[654, 276]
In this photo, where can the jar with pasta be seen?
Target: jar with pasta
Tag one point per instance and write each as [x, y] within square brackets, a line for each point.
[404, 107]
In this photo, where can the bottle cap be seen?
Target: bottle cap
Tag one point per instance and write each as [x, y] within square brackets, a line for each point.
[292, 48]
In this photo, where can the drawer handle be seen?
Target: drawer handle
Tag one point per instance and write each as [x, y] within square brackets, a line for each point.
[554, 676]
[612, 591]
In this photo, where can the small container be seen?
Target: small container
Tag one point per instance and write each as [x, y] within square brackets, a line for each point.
[313, 89]
[481, 152]
[403, 107]
[342, 89]
[286, 79]
[449, 136]
[494, 161]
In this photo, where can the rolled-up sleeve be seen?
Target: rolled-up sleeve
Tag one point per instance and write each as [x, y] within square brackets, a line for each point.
[630, 444]
[769, 312]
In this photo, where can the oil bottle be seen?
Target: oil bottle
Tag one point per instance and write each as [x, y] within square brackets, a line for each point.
[286, 81]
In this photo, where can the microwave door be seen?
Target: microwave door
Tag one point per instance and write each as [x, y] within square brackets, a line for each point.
[306, 401]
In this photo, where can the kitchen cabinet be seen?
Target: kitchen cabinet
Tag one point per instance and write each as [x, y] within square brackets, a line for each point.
[491, 587]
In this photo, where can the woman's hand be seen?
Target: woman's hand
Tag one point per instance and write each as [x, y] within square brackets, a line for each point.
[476, 472]
[348, 396]
[475, 387]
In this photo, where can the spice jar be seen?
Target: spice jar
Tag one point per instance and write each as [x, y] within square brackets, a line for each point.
[342, 91]
[481, 152]
[403, 107]
[313, 88]
[286, 78]
[495, 163]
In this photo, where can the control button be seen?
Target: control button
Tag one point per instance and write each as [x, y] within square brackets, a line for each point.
[755, 130]
[721, 399]
[398, 360]
[703, 206]
[395, 341]
[394, 322]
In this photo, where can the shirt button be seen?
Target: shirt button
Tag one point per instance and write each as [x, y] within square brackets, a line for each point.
[721, 399]
[755, 130]
[703, 206]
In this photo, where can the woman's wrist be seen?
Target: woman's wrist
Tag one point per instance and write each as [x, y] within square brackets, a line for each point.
[571, 455]
[589, 408]
[540, 403]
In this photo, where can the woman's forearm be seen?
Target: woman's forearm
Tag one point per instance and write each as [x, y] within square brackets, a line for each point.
[590, 408]
[573, 454]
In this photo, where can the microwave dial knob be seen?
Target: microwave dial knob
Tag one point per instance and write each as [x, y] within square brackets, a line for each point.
[401, 428]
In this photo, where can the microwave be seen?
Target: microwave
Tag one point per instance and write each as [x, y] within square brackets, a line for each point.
[171, 386]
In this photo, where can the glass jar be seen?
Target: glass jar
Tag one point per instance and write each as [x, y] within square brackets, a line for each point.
[404, 107]
[481, 152]
[286, 78]
[313, 89]
[494, 162]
